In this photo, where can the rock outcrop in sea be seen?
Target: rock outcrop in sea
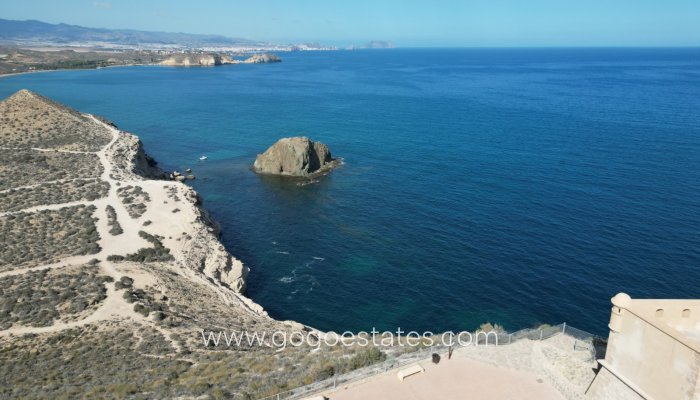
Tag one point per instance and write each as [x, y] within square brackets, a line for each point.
[262, 58]
[294, 156]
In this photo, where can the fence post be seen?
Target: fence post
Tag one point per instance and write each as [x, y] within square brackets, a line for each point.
[510, 338]
[278, 396]
[541, 333]
[563, 330]
[335, 379]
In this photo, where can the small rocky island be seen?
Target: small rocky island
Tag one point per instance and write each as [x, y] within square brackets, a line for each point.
[295, 156]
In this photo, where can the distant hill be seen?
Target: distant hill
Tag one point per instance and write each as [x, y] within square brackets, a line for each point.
[12, 31]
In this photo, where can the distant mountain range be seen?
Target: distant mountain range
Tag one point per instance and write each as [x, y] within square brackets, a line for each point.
[36, 31]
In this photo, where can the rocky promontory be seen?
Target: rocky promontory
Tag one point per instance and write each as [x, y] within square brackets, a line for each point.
[196, 59]
[215, 59]
[295, 156]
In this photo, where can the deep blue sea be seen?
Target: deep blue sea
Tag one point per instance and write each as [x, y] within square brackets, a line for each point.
[517, 186]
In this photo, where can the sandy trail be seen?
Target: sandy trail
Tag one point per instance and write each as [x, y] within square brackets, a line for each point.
[48, 207]
[114, 305]
[173, 217]
[48, 150]
[68, 261]
[47, 182]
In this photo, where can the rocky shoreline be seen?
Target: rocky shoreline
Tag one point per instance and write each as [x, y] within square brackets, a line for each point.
[215, 59]
[202, 252]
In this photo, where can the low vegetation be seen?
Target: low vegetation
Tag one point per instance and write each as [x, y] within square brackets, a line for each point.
[157, 253]
[29, 120]
[114, 227]
[172, 193]
[134, 199]
[88, 362]
[52, 193]
[45, 236]
[20, 168]
[38, 298]
[25, 60]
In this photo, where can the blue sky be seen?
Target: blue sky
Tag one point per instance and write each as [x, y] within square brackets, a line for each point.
[406, 23]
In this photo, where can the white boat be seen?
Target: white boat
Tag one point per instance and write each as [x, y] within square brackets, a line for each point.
[202, 158]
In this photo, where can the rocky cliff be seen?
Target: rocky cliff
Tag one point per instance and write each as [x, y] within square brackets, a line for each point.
[295, 156]
[201, 250]
[213, 59]
[196, 59]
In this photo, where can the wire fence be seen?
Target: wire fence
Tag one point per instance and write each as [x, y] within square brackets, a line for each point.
[583, 341]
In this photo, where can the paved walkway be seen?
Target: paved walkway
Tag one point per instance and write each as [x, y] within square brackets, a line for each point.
[457, 379]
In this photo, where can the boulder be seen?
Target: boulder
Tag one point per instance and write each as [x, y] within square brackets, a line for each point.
[295, 156]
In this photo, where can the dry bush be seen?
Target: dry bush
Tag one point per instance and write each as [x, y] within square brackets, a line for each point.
[157, 253]
[29, 120]
[114, 227]
[46, 236]
[52, 193]
[38, 298]
[29, 167]
[135, 200]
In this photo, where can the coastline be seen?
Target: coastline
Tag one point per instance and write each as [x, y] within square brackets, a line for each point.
[70, 69]
[203, 253]
[168, 210]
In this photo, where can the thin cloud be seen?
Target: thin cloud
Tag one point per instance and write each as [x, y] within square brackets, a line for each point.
[102, 4]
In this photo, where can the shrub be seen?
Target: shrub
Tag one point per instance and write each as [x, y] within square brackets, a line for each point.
[134, 199]
[124, 282]
[115, 227]
[45, 236]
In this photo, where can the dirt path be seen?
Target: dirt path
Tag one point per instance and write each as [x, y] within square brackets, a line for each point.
[173, 216]
[114, 305]
[77, 260]
[47, 182]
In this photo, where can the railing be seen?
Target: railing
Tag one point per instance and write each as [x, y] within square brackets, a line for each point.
[583, 341]
[356, 375]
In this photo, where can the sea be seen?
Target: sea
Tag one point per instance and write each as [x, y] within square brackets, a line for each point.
[517, 186]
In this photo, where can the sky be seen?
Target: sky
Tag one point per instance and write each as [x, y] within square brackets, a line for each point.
[405, 23]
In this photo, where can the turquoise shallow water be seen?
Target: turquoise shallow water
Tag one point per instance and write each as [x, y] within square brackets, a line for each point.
[516, 186]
